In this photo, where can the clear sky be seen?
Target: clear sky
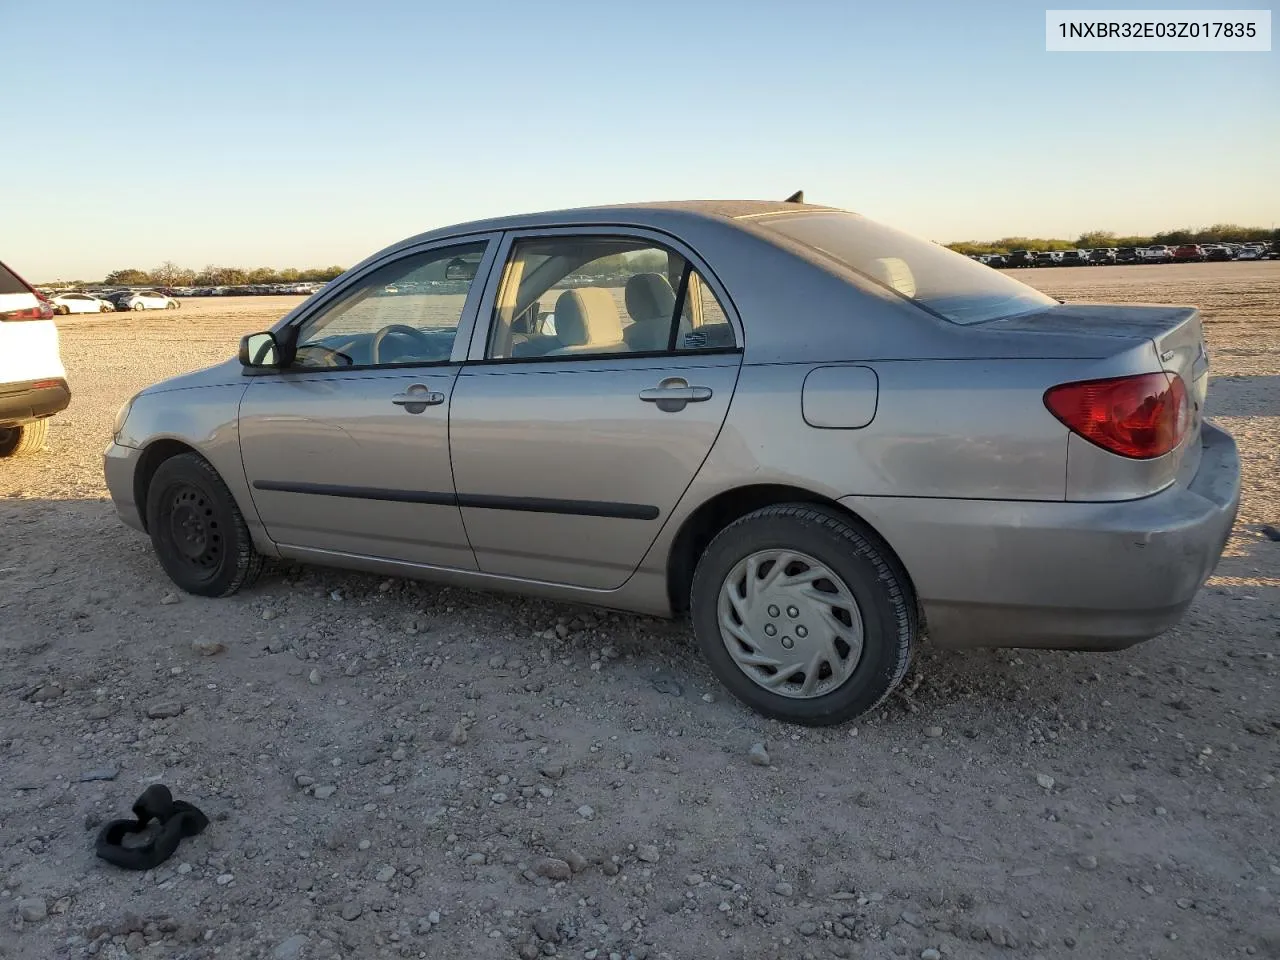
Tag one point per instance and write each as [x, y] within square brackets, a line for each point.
[302, 134]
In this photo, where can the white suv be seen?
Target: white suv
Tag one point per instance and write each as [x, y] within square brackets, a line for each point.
[33, 382]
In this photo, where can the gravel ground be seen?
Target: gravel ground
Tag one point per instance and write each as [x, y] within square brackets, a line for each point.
[394, 769]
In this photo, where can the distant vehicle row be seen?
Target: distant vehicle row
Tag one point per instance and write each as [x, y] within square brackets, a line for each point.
[1108, 256]
[76, 302]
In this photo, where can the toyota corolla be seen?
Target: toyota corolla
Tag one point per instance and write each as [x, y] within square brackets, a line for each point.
[815, 435]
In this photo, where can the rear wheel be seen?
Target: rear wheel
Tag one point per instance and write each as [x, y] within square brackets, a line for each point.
[62, 309]
[26, 439]
[198, 532]
[104, 309]
[171, 305]
[803, 615]
[139, 306]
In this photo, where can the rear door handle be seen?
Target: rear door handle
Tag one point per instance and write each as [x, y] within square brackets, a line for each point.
[417, 397]
[673, 393]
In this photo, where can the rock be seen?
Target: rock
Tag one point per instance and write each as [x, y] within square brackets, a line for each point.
[224, 879]
[433, 918]
[314, 677]
[1087, 862]
[529, 951]
[547, 928]
[385, 874]
[648, 853]
[693, 879]
[552, 869]
[50, 691]
[758, 755]
[807, 929]
[268, 614]
[1045, 780]
[164, 710]
[101, 773]
[33, 909]
[100, 711]
[930, 953]
[577, 862]
[497, 662]
[208, 648]
[933, 732]
[399, 755]
[553, 771]
[783, 889]
[169, 599]
[912, 919]
[290, 949]
[324, 791]
[303, 779]
[350, 911]
[459, 734]
[610, 868]
[586, 812]
[475, 860]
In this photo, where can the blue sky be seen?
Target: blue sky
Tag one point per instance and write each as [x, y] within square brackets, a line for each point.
[312, 133]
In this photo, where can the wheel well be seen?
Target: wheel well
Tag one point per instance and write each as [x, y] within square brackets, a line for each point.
[701, 527]
[154, 455]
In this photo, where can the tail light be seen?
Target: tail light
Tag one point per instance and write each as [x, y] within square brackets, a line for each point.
[43, 310]
[1141, 417]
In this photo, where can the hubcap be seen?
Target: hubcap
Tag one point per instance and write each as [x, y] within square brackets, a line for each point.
[790, 623]
[193, 529]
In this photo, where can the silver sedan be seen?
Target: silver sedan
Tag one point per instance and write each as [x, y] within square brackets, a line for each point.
[816, 436]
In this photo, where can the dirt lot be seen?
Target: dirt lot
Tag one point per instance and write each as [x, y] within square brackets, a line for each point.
[396, 770]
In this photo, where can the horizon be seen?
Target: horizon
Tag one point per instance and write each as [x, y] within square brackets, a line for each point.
[264, 138]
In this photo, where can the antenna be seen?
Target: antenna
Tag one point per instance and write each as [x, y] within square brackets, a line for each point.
[797, 197]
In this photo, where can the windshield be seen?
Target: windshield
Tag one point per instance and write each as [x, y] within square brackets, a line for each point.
[941, 281]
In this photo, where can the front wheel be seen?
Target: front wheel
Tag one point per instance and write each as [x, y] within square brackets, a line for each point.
[803, 614]
[139, 306]
[197, 529]
[171, 305]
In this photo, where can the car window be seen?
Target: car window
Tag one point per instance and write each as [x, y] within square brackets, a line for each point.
[941, 281]
[403, 313]
[567, 297]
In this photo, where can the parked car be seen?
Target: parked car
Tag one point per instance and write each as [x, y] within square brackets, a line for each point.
[1188, 253]
[33, 381]
[1249, 253]
[1102, 256]
[688, 439]
[996, 261]
[1046, 258]
[145, 300]
[1021, 258]
[1127, 255]
[1073, 258]
[64, 303]
[1156, 254]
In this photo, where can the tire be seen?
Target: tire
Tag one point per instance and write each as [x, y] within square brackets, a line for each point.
[880, 589]
[139, 306]
[104, 309]
[171, 305]
[62, 310]
[198, 532]
[24, 440]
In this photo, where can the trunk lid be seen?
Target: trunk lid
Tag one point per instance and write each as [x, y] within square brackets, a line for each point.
[1175, 334]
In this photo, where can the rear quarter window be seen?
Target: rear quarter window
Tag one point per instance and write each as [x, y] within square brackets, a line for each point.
[941, 281]
[9, 282]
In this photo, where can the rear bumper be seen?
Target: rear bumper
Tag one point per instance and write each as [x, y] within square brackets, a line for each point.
[119, 464]
[32, 400]
[1083, 576]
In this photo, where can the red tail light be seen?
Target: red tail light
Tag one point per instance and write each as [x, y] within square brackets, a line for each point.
[43, 310]
[1142, 416]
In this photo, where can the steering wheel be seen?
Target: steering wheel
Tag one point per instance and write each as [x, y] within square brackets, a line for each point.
[375, 348]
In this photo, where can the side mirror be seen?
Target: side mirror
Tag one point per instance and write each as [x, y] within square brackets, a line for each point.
[260, 350]
[460, 268]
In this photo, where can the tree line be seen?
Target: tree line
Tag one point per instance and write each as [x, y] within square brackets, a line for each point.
[1218, 233]
[169, 274]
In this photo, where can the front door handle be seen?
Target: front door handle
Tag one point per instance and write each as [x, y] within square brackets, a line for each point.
[417, 397]
[673, 393]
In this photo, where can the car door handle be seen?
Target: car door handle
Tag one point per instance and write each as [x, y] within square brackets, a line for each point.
[417, 398]
[673, 393]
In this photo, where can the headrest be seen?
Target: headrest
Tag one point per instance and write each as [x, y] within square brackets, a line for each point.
[587, 315]
[649, 296]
